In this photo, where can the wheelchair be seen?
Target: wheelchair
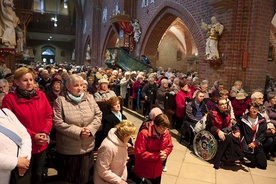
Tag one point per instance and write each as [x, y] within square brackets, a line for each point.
[203, 143]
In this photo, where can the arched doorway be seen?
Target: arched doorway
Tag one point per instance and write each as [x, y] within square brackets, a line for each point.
[48, 54]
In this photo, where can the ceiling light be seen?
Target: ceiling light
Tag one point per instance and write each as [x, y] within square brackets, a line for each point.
[65, 5]
[50, 36]
[55, 24]
[49, 39]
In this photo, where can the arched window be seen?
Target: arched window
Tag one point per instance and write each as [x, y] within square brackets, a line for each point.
[48, 54]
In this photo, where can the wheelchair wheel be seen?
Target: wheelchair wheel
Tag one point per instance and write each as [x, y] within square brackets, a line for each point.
[205, 145]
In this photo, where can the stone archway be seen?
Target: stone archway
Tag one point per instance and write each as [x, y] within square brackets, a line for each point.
[169, 16]
[109, 42]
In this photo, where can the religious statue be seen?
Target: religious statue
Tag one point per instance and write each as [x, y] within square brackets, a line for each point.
[136, 30]
[215, 29]
[104, 18]
[73, 55]
[107, 55]
[8, 23]
[88, 55]
[20, 40]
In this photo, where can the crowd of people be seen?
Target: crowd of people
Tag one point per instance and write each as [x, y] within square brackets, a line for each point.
[61, 107]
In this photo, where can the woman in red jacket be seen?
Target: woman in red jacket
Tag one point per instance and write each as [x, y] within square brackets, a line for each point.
[33, 110]
[153, 145]
[181, 98]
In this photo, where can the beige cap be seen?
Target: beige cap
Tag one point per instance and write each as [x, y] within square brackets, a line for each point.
[240, 96]
[103, 80]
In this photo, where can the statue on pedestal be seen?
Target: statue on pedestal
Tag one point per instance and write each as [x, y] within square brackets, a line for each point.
[88, 55]
[8, 23]
[136, 30]
[215, 29]
[74, 55]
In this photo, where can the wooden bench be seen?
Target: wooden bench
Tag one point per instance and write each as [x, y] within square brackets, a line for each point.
[130, 103]
[170, 107]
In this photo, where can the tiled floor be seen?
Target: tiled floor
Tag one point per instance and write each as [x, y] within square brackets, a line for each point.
[185, 168]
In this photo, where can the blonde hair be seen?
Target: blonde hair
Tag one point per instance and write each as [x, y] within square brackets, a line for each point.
[224, 92]
[22, 71]
[126, 128]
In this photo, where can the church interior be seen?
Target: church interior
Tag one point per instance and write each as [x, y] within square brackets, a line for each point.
[170, 34]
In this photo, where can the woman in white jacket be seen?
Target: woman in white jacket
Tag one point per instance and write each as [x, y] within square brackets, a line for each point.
[112, 155]
[9, 149]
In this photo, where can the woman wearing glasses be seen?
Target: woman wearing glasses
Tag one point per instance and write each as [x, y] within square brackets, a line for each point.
[219, 124]
[252, 129]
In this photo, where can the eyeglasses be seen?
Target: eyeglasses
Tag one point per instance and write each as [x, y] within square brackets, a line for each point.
[254, 108]
[260, 98]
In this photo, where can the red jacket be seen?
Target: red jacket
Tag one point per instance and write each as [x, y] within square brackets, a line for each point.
[216, 121]
[135, 87]
[147, 149]
[35, 114]
[239, 109]
[180, 100]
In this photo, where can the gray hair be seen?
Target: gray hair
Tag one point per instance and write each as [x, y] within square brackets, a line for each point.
[72, 78]
[271, 95]
[151, 79]
[256, 95]
[4, 81]
[164, 81]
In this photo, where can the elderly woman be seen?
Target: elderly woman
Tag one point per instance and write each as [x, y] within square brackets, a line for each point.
[10, 157]
[270, 106]
[137, 87]
[175, 86]
[103, 93]
[115, 116]
[33, 110]
[161, 93]
[252, 129]
[153, 145]
[258, 98]
[77, 118]
[54, 91]
[112, 155]
[181, 99]
[237, 88]
[4, 86]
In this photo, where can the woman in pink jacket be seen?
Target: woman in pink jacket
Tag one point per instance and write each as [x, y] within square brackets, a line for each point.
[33, 110]
[112, 155]
[153, 145]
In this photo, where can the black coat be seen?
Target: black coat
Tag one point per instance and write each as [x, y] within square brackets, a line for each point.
[110, 121]
[247, 135]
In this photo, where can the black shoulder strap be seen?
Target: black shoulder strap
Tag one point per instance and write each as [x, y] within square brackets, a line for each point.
[4, 112]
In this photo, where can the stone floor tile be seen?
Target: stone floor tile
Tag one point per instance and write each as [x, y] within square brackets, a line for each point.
[199, 172]
[232, 177]
[269, 172]
[261, 179]
[181, 180]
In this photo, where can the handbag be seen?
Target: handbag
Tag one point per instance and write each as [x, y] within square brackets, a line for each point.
[201, 124]
[17, 179]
